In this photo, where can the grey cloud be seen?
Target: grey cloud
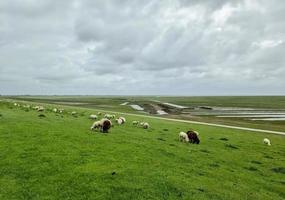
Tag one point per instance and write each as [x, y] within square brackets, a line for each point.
[142, 47]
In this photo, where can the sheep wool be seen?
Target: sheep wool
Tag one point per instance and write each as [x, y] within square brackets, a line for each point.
[183, 137]
[266, 141]
[145, 125]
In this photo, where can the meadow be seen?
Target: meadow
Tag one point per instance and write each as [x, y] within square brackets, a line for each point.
[56, 156]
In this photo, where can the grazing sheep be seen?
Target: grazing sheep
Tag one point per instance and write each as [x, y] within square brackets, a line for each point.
[135, 122]
[60, 110]
[99, 113]
[27, 106]
[119, 121]
[40, 108]
[193, 137]
[183, 137]
[15, 104]
[55, 110]
[108, 116]
[122, 118]
[266, 141]
[73, 113]
[197, 133]
[104, 125]
[93, 116]
[141, 124]
[145, 125]
[96, 125]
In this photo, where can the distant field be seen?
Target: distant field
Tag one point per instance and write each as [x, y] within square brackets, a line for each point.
[152, 103]
[275, 102]
[58, 157]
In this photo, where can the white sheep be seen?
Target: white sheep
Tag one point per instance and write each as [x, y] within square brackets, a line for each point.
[60, 110]
[122, 118]
[266, 141]
[96, 125]
[108, 116]
[40, 108]
[119, 121]
[145, 125]
[93, 116]
[55, 110]
[26, 106]
[73, 113]
[183, 137]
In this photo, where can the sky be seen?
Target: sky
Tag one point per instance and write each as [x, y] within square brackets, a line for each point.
[139, 47]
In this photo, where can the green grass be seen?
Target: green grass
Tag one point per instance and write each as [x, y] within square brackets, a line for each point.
[58, 157]
[265, 102]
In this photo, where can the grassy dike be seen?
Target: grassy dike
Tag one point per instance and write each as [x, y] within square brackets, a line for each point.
[58, 157]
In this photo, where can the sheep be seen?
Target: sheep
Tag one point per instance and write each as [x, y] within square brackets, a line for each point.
[95, 125]
[104, 125]
[145, 125]
[141, 124]
[40, 108]
[55, 110]
[183, 137]
[135, 122]
[119, 121]
[26, 106]
[73, 113]
[99, 113]
[93, 116]
[266, 141]
[197, 133]
[60, 110]
[193, 137]
[124, 119]
[108, 116]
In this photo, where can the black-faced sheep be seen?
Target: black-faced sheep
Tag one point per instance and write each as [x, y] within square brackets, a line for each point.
[193, 137]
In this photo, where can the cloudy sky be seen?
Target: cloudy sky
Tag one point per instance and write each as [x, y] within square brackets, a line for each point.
[138, 47]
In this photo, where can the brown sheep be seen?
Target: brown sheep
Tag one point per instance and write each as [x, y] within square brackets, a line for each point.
[193, 137]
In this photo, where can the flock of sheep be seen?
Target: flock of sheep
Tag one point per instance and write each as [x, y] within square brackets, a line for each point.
[105, 123]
